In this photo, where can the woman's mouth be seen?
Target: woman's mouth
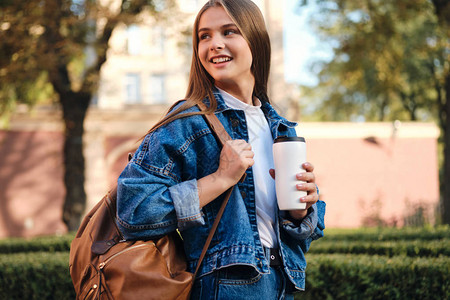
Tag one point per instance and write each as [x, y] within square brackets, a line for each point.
[220, 59]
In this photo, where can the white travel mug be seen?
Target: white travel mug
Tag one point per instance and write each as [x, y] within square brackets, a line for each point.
[289, 153]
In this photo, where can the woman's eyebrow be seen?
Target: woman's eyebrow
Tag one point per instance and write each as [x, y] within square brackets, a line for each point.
[222, 27]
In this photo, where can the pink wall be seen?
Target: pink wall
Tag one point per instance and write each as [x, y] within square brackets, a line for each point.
[31, 187]
[362, 178]
[366, 173]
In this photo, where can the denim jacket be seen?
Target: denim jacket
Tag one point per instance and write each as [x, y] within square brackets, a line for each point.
[157, 194]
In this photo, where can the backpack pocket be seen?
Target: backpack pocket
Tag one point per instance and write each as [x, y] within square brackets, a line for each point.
[144, 270]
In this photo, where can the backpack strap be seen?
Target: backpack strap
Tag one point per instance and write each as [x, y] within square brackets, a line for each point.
[223, 137]
[215, 125]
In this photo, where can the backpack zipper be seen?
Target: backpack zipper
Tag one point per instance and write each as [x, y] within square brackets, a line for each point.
[102, 265]
[91, 292]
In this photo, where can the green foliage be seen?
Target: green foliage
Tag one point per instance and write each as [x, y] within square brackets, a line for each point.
[345, 264]
[39, 244]
[37, 275]
[379, 263]
[45, 42]
[336, 276]
[390, 60]
[387, 234]
[413, 248]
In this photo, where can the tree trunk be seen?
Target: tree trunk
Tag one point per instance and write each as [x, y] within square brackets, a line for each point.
[446, 166]
[74, 107]
[442, 10]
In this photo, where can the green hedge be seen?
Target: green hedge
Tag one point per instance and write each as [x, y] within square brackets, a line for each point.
[441, 234]
[37, 275]
[38, 244]
[415, 264]
[337, 276]
[388, 248]
[388, 234]
[42, 275]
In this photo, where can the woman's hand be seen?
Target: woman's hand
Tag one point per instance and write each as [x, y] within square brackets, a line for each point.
[235, 158]
[307, 183]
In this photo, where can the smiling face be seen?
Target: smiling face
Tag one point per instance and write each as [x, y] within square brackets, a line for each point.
[223, 51]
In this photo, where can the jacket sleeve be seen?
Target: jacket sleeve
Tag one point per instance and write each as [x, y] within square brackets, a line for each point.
[151, 198]
[309, 228]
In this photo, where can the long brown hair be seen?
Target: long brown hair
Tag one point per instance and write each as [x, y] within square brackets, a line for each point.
[250, 22]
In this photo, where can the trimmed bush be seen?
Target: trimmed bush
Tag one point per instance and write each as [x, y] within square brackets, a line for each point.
[388, 234]
[45, 243]
[415, 264]
[342, 238]
[44, 275]
[390, 248]
[38, 275]
[337, 276]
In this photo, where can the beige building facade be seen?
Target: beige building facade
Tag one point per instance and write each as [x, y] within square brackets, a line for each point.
[148, 62]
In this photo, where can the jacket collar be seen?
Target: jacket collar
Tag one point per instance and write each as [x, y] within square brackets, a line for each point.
[275, 120]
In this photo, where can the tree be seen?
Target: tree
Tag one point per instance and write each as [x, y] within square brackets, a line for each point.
[46, 43]
[391, 61]
[442, 87]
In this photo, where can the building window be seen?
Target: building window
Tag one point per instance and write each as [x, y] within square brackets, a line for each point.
[158, 40]
[157, 88]
[132, 88]
[134, 40]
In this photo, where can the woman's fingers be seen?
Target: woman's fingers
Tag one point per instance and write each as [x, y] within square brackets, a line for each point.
[236, 157]
[306, 176]
[308, 167]
[310, 189]
[308, 185]
[272, 173]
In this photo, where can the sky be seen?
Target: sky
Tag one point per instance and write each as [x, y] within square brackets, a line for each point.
[301, 45]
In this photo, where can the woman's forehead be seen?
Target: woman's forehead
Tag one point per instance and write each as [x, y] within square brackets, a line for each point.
[214, 17]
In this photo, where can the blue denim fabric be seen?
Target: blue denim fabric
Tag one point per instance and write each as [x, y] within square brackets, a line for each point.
[242, 282]
[157, 194]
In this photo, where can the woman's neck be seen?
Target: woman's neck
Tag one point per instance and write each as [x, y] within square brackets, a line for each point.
[242, 92]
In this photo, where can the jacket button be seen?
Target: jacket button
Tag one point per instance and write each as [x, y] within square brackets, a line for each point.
[243, 194]
[234, 123]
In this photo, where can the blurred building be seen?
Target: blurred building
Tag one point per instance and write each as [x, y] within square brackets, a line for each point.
[148, 62]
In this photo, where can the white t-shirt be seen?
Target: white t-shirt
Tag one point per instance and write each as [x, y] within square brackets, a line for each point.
[260, 138]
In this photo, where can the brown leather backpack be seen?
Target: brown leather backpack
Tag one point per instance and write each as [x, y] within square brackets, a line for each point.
[105, 266]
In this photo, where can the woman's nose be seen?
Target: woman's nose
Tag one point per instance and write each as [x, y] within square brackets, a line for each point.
[217, 43]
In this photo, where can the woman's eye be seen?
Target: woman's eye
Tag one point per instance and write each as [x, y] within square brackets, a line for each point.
[229, 31]
[204, 36]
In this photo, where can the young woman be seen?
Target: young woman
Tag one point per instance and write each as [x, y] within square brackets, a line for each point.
[178, 175]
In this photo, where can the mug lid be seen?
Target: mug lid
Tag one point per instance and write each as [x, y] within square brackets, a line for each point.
[289, 139]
